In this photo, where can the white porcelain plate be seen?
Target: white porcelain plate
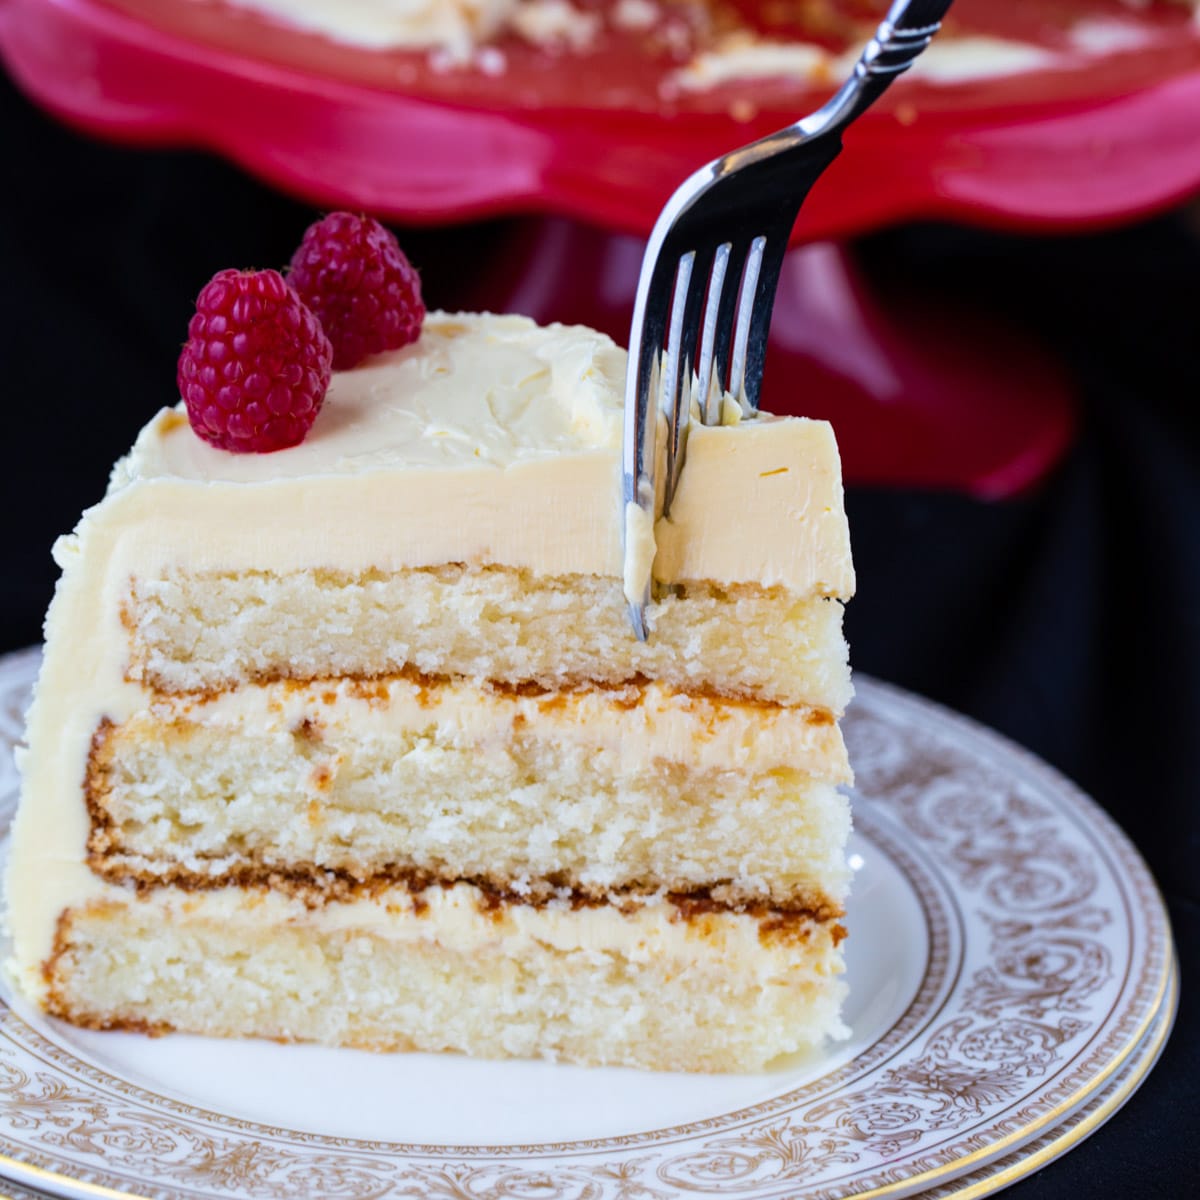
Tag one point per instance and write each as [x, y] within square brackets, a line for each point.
[1011, 979]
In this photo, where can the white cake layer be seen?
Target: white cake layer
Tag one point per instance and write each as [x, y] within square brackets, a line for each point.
[211, 631]
[647, 987]
[593, 791]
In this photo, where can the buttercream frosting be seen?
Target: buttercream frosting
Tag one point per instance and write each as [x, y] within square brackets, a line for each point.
[491, 440]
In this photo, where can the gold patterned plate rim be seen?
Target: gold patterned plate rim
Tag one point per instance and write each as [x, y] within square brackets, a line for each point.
[1081, 1124]
[997, 1175]
[1048, 958]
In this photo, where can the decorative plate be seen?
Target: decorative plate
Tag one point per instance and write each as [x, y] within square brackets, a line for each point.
[1090, 128]
[986, 1181]
[1011, 978]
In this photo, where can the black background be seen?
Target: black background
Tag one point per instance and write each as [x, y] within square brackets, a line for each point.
[1069, 619]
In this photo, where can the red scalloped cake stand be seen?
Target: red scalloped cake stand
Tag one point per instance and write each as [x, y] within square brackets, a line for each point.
[942, 401]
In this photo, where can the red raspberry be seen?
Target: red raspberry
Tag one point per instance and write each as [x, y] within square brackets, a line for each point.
[254, 370]
[352, 273]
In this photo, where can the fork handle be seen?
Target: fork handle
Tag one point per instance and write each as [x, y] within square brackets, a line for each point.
[902, 35]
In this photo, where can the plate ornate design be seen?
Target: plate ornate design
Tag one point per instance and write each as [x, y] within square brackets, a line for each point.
[1012, 980]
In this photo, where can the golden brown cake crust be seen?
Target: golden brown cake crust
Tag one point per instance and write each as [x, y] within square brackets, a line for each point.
[317, 886]
[318, 881]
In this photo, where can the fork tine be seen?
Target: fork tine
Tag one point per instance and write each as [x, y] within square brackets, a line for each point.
[747, 294]
[696, 275]
[726, 315]
[641, 423]
[677, 369]
[775, 247]
[709, 397]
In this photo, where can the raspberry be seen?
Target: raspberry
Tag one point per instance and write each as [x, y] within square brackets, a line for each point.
[254, 370]
[352, 273]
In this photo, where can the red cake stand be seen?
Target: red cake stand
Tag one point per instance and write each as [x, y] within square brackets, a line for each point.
[593, 135]
[603, 138]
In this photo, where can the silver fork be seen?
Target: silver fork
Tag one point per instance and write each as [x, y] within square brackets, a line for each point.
[703, 280]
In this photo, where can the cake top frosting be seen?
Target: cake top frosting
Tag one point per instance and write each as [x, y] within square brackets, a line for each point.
[491, 440]
[477, 389]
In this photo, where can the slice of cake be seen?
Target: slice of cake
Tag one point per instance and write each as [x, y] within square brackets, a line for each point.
[352, 742]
